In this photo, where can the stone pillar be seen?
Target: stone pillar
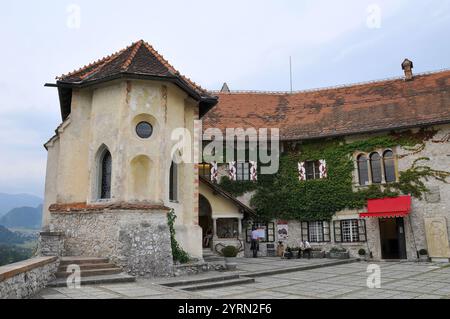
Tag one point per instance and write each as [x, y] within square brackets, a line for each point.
[51, 244]
[240, 234]
[215, 227]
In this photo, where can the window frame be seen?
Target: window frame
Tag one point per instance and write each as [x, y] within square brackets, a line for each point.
[104, 195]
[394, 166]
[315, 168]
[173, 182]
[325, 231]
[270, 231]
[205, 167]
[235, 220]
[339, 233]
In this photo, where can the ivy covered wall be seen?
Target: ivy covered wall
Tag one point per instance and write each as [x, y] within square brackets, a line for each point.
[283, 196]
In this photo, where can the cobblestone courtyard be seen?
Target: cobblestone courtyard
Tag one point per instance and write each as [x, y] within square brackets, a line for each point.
[398, 281]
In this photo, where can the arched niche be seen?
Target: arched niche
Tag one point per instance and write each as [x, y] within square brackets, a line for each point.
[140, 170]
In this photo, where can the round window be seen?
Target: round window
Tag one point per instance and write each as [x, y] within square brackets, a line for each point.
[144, 130]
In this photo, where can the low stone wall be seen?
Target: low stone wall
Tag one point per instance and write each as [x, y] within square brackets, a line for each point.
[24, 279]
[51, 244]
[136, 240]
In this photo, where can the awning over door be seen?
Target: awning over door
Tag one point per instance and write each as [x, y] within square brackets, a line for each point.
[388, 207]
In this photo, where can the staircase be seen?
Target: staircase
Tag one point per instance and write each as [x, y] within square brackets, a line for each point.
[209, 283]
[94, 271]
[211, 258]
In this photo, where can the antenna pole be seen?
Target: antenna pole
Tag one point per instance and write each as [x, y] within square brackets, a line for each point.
[290, 71]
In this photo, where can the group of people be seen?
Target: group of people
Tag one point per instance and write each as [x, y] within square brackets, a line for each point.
[305, 248]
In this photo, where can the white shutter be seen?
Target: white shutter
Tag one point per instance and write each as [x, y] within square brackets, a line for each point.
[301, 171]
[253, 171]
[323, 169]
[232, 171]
[214, 172]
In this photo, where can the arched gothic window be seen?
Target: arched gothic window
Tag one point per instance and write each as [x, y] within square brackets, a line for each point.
[105, 175]
[389, 166]
[375, 164]
[363, 170]
[173, 182]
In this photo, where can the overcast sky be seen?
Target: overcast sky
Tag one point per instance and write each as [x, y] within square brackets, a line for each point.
[244, 43]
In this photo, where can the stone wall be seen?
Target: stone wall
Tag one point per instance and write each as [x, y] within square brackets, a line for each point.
[137, 240]
[50, 244]
[26, 278]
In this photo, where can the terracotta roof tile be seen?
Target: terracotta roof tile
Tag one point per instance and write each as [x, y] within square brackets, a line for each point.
[140, 58]
[353, 109]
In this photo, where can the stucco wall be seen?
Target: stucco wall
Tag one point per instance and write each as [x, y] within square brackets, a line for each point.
[106, 116]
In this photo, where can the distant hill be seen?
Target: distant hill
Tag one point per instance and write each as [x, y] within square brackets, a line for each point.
[10, 201]
[23, 217]
[10, 238]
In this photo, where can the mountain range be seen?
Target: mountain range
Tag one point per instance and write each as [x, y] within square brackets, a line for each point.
[9, 202]
[23, 217]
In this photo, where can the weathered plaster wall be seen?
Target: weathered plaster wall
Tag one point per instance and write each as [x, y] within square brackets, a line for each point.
[106, 116]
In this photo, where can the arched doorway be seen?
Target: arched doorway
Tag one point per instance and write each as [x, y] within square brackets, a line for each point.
[205, 220]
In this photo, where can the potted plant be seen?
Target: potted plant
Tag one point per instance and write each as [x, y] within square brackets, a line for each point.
[338, 253]
[423, 255]
[230, 253]
[362, 253]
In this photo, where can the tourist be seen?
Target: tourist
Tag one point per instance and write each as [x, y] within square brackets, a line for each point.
[255, 242]
[308, 248]
[207, 238]
[301, 250]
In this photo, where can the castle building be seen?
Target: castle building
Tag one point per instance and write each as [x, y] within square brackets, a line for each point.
[114, 171]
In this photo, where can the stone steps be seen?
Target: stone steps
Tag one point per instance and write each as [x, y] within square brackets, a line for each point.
[82, 260]
[209, 283]
[219, 284]
[93, 271]
[97, 280]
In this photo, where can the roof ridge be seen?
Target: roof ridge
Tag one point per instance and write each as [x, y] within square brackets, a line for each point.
[171, 68]
[339, 86]
[101, 62]
[130, 59]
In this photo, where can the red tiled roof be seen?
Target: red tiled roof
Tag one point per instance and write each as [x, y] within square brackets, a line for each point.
[376, 106]
[139, 59]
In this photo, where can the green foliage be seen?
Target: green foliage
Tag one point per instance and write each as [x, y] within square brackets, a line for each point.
[230, 252]
[362, 252]
[10, 254]
[179, 255]
[237, 188]
[283, 196]
[423, 252]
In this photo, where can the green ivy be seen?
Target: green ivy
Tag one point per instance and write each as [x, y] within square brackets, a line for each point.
[179, 255]
[283, 196]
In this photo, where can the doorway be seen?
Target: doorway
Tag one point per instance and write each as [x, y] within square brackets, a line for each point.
[392, 236]
[205, 221]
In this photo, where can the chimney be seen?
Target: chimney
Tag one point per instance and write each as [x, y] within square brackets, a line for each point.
[225, 88]
[407, 66]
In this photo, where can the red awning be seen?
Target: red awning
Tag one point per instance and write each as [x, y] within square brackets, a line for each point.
[388, 207]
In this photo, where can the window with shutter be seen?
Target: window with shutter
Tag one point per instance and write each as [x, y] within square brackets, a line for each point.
[362, 230]
[337, 232]
[305, 233]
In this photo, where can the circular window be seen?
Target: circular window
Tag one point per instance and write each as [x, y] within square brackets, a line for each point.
[144, 130]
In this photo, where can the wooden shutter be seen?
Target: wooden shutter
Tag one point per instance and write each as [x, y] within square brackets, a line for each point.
[302, 171]
[305, 231]
[326, 231]
[362, 230]
[337, 231]
[323, 170]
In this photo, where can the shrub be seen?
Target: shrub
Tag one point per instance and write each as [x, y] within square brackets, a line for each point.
[423, 252]
[362, 252]
[230, 252]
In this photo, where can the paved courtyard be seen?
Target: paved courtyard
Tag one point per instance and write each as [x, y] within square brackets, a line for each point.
[399, 280]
